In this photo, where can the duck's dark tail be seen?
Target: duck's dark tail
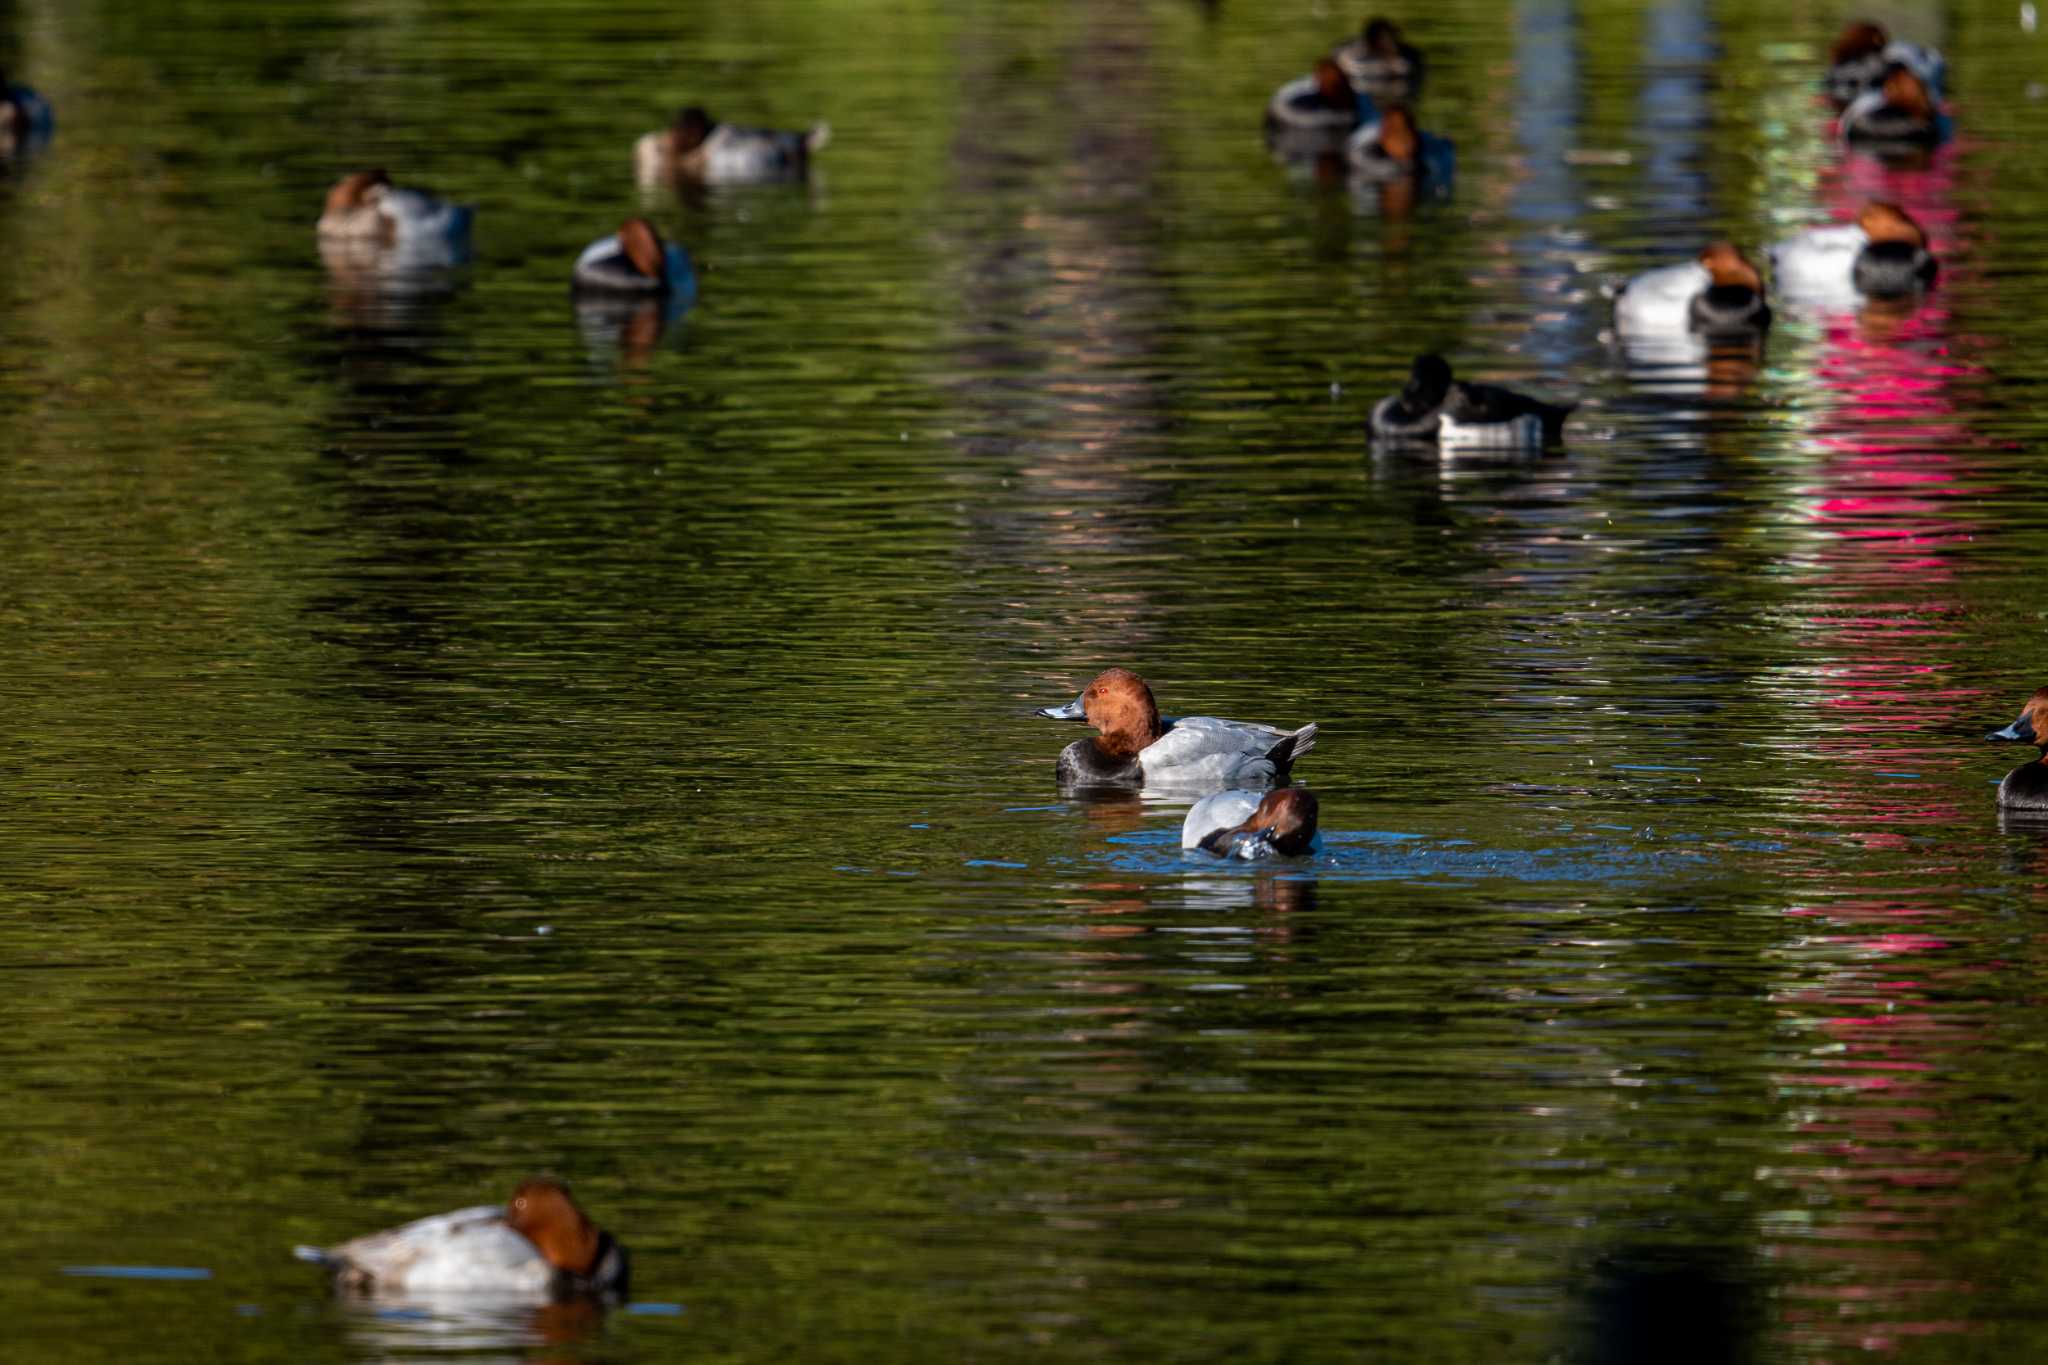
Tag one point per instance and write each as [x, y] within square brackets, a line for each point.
[1292, 746]
[316, 1256]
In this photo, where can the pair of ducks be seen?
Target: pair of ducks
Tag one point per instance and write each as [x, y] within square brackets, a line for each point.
[1882, 255]
[1137, 747]
[415, 229]
[1335, 109]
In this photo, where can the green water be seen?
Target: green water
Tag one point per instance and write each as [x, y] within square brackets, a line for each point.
[447, 742]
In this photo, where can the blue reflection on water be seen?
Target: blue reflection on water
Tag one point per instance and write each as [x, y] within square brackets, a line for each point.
[1387, 855]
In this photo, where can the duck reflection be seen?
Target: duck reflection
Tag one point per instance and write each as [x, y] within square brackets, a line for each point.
[1108, 810]
[387, 287]
[624, 328]
[1691, 364]
[479, 1328]
[1274, 890]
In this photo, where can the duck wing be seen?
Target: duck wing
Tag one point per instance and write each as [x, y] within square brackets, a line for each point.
[1204, 752]
[1485, 403]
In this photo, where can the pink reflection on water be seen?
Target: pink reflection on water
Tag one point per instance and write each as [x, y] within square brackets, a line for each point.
[1887, 1007]
[1879, 994]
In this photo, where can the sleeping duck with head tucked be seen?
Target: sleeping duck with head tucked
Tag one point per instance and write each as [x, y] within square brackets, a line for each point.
[2026, 787]
[1139, 748]
[697, 147]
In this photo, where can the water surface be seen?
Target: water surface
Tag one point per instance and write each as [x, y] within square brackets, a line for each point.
[452, 738]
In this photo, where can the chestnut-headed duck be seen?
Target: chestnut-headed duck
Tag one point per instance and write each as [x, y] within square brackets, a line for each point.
[1320, 108]
[1719, 293]
[1883, 255]
[538, 1245]
[1900, 111]
[2026, 787]
[365, 207]
[1137, 748]
[1393, 148]
[1380, 63]
[26, 121]
[1249, 824]
[635, 260]
[1864, 52]
[1435, 406]
[698, 148]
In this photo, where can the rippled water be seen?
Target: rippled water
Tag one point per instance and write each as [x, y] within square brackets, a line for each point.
[452, 738]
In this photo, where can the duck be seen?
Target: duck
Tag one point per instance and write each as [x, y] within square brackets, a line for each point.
[1719, 293]
[1242, 823]
[1435, 405]
[1379, 62]
[635, 260]
[365, 207]
[1863, 52]
[1137, 748]
[538, 1245]
[1899, 112]
[1316, 111]
[1394, 149]
[2026, 787]
[1882, 255]
[26, 120]
[698, 148]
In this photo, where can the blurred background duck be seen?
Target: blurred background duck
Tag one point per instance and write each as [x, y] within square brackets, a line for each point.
[635, 260]
[1882, 255]
[1864, 52]
[26, 120]
[1316, 113]
[1719, 293]
[1378, 62]
[413, 227]
[1900, 111]
[1394, 149]
[697, 148]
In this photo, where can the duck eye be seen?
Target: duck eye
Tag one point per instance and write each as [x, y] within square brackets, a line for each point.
[520, 1202]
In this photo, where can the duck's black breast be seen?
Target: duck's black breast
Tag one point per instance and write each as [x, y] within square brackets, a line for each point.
[1890, 123]
[1083, 764]
[2025, 788]
[1892, 269]
[1729, 308]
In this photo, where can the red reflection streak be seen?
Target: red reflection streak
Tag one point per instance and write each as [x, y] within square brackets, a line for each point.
[1892, 467]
